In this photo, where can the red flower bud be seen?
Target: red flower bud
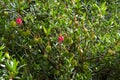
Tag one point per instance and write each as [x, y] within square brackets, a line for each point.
[60, 39]
[19, 21]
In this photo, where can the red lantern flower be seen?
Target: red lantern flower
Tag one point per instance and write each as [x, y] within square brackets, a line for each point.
[19, 21]
[60, 38]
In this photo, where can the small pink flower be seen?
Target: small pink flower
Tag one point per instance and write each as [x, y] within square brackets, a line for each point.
[19, 21]
[60, 38]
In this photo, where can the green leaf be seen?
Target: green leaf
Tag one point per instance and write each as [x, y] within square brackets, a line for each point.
[45, 31]
[21, 66]
[2, 47]
[95, 5]
[1, 56]
[103, 8]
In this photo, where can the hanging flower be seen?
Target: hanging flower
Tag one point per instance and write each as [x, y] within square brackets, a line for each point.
[60, 38]
[19, 21]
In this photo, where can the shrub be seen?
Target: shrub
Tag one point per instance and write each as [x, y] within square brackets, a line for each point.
[64, 39]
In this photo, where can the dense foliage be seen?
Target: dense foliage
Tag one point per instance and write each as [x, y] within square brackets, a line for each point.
[60, 39]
